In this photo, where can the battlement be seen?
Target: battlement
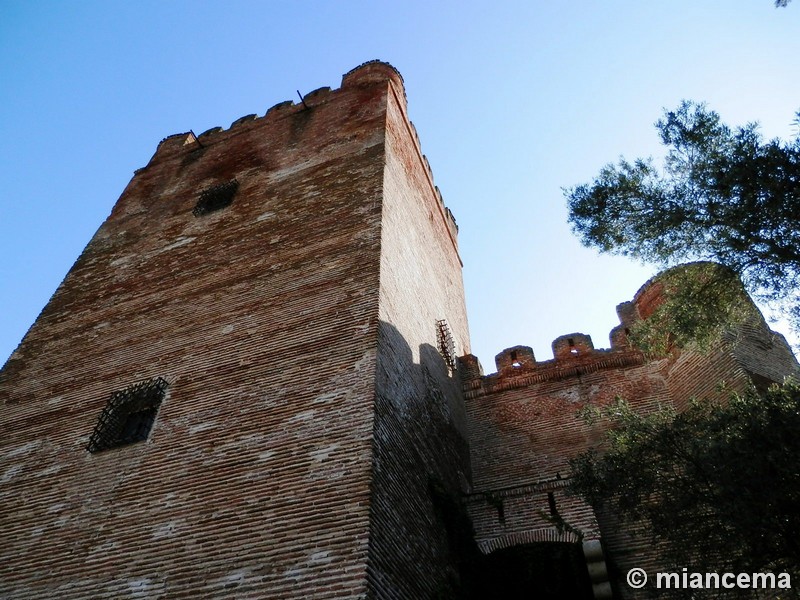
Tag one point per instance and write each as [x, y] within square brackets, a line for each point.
[312, 308]
[186, 145]
[513, 373]
[368, 73]
[309, 257]
[374, 71]
[574, 354]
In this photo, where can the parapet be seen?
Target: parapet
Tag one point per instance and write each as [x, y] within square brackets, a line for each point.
[358, 85]
[368, 73]
[571, 345]
[374, 71]
[470, 367]
[512, 360]
[574, 354]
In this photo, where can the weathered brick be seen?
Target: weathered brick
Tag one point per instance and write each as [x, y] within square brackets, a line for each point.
[296, 280]
[296, 328]
[525, 423]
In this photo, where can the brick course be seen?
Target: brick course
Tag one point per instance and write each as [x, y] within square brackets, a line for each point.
[314, 440]
[258, 479]
[525, 424]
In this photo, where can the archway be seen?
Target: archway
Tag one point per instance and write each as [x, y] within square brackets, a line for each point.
[536, 571]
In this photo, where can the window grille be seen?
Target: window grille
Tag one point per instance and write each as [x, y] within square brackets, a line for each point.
[215, 198]
[128, 416]
[447, 347]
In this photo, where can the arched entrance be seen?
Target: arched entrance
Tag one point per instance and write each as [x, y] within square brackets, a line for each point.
[537, 570]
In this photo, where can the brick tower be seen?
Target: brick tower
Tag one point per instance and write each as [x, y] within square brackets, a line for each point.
[245, 386]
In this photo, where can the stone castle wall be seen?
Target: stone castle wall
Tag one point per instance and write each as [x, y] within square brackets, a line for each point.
[319, 437]
[268, 319]
[527, 420]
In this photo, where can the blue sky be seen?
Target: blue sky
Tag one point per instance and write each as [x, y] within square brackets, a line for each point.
[512, 102]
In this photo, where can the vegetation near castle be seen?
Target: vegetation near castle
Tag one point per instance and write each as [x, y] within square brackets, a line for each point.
[699, 303]
[723, 194]
[717, 486]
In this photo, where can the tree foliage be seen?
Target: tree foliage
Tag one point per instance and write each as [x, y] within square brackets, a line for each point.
[722, 194]
[717, 485]
[701, 302]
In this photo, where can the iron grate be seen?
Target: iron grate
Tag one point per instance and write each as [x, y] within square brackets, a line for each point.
[447, 347]
[215, 198]
[129, 415]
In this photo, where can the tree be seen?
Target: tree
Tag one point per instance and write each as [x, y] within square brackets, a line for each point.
[722, 194]
[717, 485]
[699, 304]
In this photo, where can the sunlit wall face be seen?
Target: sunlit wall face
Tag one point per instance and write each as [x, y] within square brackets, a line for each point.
[512, 103]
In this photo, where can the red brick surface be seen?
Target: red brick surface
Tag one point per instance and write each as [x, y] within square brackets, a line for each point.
[419, 422]
[265, 317]
[525, 423]
[314, 442]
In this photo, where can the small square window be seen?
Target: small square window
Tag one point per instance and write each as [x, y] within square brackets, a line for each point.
[129, 415]
[215, 198]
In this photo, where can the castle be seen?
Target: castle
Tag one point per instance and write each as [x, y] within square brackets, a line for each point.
[256, 382]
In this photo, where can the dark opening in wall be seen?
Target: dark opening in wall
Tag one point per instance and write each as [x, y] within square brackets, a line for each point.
[215, 198]
[129, 415]
[551, 504]
[544, 570]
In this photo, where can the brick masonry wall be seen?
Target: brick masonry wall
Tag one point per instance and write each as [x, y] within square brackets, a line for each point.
[524, 426]
[523, 437]
[263, 317]
[420, 449]
[313, 442]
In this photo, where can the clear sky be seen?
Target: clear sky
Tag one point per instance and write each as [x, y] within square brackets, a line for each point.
[512, 102]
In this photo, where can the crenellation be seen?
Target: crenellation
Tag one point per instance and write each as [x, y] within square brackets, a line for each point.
[170, 146]
[618, 337]
[415, 135]
[376, 71]
[572, 345]
[627, 312]
[317, 96]
[210, 131]
[279, 108]
[525, 424]
[515, 360]
[173, 141]
[242, 120]
[366, 75]
[648, 297]
[551, 370]
[470, 367]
